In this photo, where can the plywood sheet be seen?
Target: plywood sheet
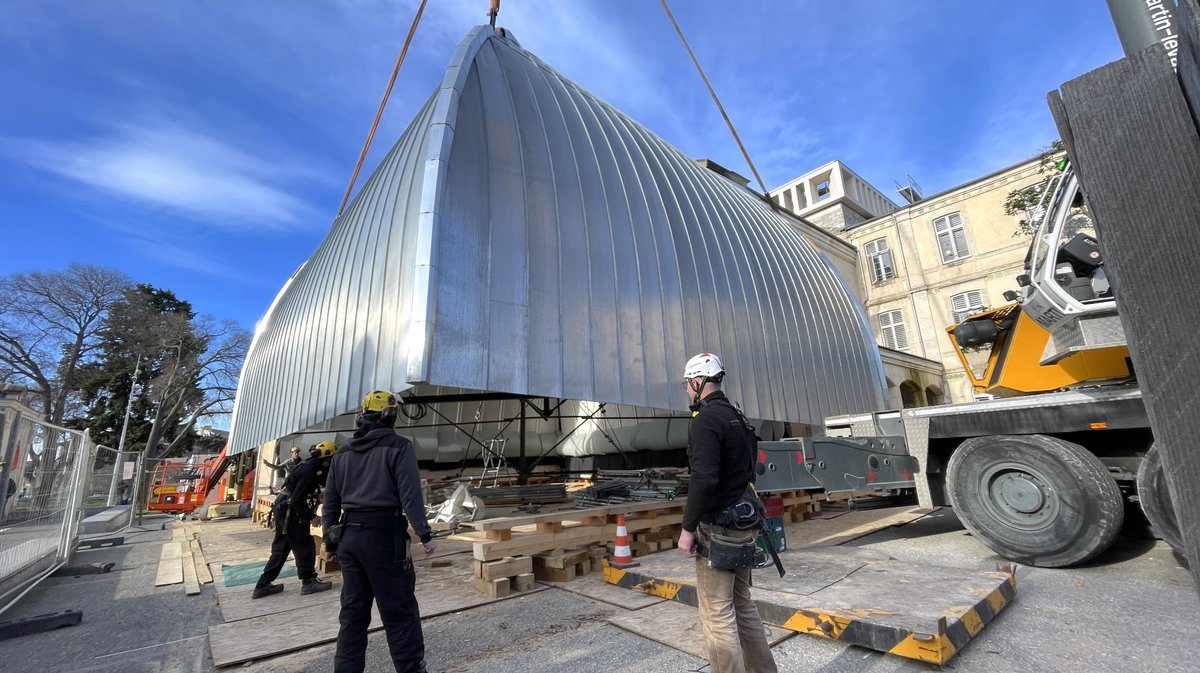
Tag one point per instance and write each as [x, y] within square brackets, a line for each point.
[288, 621]
[678, 626]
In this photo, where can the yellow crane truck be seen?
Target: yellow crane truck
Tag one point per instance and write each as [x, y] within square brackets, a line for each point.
[1043, 472]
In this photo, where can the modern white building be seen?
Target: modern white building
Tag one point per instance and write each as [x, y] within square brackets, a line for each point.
[833, 197]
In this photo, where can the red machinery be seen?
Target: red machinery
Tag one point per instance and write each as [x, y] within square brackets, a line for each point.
[180, 487]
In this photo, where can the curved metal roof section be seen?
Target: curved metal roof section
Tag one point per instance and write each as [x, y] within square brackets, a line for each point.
[524, 236]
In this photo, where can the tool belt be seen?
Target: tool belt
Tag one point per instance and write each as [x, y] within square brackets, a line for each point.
[392, 520]
[729, 548]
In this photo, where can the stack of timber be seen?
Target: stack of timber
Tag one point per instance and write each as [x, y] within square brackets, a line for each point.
[494, 539]
[511, 574]
[262, 510]
[654, 540]
[562, 566]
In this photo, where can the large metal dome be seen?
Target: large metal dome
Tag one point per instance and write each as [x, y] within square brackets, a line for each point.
[523, 236]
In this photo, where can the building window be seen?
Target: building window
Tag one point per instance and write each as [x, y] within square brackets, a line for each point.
[891, 328]
[965, 304]
[787, 200]
[822, 190]
[879, 258]
[952, 237]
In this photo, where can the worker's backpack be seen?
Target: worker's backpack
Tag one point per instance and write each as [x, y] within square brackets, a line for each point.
[280, 508]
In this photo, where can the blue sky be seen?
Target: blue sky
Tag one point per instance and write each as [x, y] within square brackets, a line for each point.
[203, 146]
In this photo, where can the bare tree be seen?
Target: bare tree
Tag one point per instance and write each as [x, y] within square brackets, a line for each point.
[49, 324]
[190, 388]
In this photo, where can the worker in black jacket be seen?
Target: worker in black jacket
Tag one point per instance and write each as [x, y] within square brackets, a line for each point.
[374, 492]
[721, 454]
[294, 510]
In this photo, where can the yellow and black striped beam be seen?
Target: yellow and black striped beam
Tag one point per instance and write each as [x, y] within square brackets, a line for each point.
[957, 625]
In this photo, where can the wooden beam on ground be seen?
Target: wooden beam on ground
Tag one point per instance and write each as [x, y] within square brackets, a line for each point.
[202, 571]
[170, 565]
[191, 582]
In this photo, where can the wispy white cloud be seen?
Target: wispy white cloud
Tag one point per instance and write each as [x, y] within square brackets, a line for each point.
[188, 258]
[161, 164]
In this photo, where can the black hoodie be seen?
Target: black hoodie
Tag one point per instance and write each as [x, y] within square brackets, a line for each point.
[376, 471]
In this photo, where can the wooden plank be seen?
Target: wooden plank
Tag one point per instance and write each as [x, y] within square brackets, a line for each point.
[170, 565]
[1136, 147]
[559, 560]
[191, 582]
[203, 574]
[497, 588]
[678, 626]
[523, 582]
[850, 526]
[555, 574]
[490, 551]
[507, 567]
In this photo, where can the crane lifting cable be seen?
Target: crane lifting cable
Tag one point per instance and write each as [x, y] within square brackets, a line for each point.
[716, 100]
[388, 92]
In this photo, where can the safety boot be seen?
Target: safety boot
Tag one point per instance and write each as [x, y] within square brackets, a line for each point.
[268, 590]
[315, 585]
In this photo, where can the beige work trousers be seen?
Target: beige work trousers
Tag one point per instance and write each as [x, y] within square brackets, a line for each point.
[737, 640]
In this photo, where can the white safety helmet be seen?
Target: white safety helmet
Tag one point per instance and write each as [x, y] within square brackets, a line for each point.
[705, 365]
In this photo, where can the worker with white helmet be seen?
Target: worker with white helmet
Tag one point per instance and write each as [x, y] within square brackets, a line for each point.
[721, 454]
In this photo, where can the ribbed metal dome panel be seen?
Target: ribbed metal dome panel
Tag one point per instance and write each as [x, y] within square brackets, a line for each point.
[524, 236]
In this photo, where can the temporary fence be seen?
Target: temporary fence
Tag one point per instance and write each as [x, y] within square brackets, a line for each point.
[45, 478]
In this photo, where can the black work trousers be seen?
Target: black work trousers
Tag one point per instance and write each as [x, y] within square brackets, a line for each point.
[376, 567]
[291, 535]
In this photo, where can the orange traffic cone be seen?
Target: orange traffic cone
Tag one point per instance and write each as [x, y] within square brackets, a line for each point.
[622, 557]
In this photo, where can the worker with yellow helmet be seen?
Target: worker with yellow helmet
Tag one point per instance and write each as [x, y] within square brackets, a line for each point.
[373, 494]
[294, 509]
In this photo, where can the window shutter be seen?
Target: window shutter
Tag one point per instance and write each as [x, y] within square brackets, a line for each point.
[946, 244]
[960, 238]
[901, 337]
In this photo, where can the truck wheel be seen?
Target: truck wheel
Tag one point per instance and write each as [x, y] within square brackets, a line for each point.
[1035, 499]
[1156, 501]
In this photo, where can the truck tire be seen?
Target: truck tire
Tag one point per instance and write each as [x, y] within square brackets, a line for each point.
[1156, 501]
[1035, 499]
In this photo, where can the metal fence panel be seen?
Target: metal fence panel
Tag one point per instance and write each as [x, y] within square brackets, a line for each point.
[48, 470]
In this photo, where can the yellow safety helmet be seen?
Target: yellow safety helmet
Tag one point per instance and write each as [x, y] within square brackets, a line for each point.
[383, 403]
[323, 449]
[378, 400]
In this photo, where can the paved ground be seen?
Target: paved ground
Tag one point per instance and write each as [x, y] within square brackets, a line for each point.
[1134, 610]
[129, 625]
